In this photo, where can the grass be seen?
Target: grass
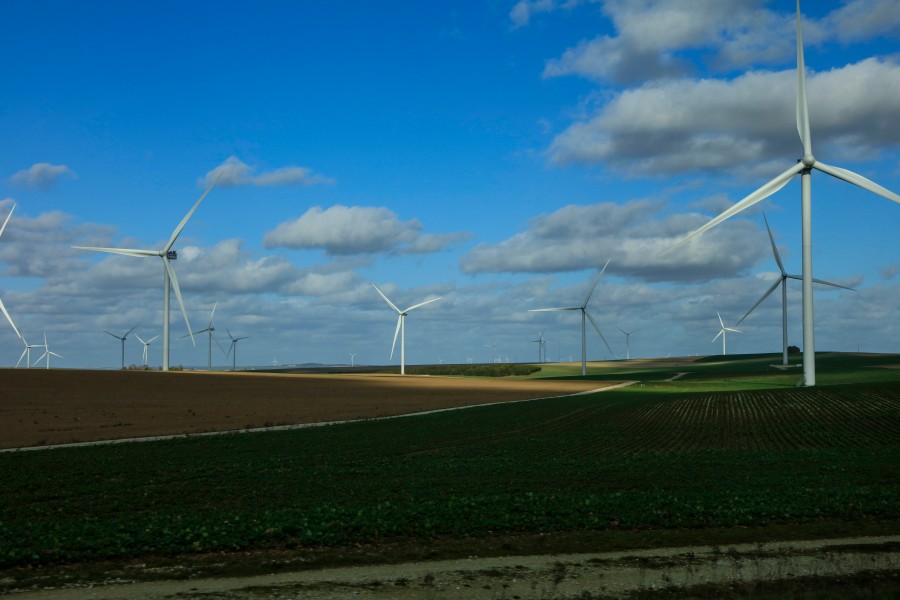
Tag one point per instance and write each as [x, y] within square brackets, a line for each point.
[727, 449]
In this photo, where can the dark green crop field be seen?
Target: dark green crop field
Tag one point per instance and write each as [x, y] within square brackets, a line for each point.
[663, 455]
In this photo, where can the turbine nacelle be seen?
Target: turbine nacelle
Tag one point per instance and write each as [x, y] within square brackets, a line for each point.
[172, 255]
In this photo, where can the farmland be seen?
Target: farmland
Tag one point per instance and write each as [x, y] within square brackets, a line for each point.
[662, 456]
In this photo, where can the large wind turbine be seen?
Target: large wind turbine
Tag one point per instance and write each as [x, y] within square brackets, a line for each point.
[233, 346]
[804, 168]
[146, 354]
[584, 313]
[2, 307]
[122, 339]
[209, 331]
[47, 353]
[722, 332]
[167, 255]
[783, 282]
[401, 326]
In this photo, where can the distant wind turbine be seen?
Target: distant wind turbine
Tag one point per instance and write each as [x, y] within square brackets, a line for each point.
[804, 168]
[492, 347]
[26, 353]
[401, 326]
[122, 339]
[584, 314]
[541, 351]
[169, 279]
[722, 332]
[353, 355]
[783, 282]
[47, 353]
[146, 354]
[210, 337]
[627, 336]
[233, 347]
[2, 307]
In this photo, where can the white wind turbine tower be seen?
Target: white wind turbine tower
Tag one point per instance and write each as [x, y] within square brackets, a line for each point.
[584, 314]
[804, 168]
[122, 338]
[627, 337]
[146, 354]
[401, 326]
[233, 346]
[353, 355]
[2, 307]
[26, 353]
[783, 282]
[209, 331]
[47, 353]
[167, 255]
[722, 332]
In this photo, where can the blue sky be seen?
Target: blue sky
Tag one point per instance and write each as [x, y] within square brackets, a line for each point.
[492, 153]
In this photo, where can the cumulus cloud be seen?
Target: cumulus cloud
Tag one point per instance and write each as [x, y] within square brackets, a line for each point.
[234, 172]
[346, 230]
[633, 235]
[41, 176]
[685, 125]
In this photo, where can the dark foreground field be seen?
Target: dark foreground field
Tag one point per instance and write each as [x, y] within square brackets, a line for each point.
[730, 452]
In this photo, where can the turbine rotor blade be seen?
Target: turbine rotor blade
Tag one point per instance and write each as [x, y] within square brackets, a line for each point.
[774, 247]
[9, 318]
[857, 180]
[761, 194]
[396, 333]
[184, 221]
[124, 251]
[600, 333]
[836, 285]
[8, 217]
[717, 335]
[758, 302]
[213, 313]
[415, 306]
[594, 285]
[216, 340]
[129, 331]
[386, 299]
[720, 320]
[174, 281]
[554, 309]
[802, 106]
[24, 352]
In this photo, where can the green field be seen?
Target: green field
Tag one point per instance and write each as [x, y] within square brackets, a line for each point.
[727, 446]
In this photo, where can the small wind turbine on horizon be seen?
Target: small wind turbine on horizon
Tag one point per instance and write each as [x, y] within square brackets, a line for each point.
[804, 168]
[493, 347]
[542, 351]
[169, 279]
[209, 331]
[233, 347]
[783, 282]
[401, 326]
[122, 339]
[26, 353]
[2, 307]
[146, 354]
[584, 314]
[627, 337]
[47, 353]
[353, 355]
[722, 332]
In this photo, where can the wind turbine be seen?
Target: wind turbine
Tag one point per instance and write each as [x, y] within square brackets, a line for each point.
[169, 279]
[401, 326]
[47, 353]
[492, 347]
[26, 353]
[146, 355]
[233, 346]
[209, 331]
[722, 332]
[540, 342]
[353, 355]
[584, 313]
[804, 168]
[122, 339]
[627, 336]
[2, 307]
[783, 282]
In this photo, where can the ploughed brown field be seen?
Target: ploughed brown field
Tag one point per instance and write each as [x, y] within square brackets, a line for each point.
[46, 407]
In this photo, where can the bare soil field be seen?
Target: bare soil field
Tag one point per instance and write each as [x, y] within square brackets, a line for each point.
[41, 407]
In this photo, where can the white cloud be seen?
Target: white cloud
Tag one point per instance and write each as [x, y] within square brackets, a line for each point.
[234, 172]
[346, 230]
[41, 176]
[633, 235]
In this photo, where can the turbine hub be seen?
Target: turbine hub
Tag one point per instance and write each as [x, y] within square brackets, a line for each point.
[808, 160]
[172, 255]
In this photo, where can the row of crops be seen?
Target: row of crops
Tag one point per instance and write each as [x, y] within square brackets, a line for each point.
[626, 459]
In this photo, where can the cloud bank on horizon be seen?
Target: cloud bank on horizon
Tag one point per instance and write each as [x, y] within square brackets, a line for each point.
[497, 167]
